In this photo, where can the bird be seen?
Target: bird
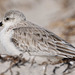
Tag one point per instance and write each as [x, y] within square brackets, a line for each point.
[19, 36]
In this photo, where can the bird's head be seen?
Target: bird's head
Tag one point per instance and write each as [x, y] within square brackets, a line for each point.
[12, 17]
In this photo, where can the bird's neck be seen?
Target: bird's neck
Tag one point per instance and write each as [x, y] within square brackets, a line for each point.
[6, 29]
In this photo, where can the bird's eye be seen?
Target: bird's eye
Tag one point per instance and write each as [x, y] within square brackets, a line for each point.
[7, 18]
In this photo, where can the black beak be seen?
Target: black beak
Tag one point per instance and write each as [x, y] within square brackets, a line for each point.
[1, 23]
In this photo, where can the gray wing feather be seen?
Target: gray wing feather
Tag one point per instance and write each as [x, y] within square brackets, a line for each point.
[39, 41]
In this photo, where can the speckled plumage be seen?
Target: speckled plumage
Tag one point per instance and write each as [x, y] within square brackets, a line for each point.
[35, 39]
[31, 38]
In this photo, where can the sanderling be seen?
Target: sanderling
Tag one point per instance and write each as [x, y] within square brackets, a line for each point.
[20, 36]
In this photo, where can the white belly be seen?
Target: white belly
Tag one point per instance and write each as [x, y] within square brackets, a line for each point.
[5, 39]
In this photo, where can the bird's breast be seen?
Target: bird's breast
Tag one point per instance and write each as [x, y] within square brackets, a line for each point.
[5, 39]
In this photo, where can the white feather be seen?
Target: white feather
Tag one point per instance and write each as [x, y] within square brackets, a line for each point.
[5, 38]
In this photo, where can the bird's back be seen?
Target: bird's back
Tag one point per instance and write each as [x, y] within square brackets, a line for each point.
[41, 42]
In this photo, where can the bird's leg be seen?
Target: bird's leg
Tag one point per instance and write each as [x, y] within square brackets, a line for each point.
[14, 61]
[69, 63]
[32, 61]
[69, 67]
[11, 71]
[57, 67]
[45, 69]
[8, 70]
